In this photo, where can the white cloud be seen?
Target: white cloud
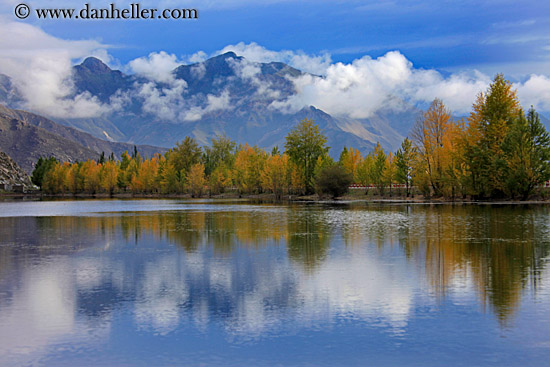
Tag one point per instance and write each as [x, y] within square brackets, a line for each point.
[198, 70]
[199, 56]
[213, 103]
[366, 85]
[164, 103]
[156, 67]
[457, 91]
[298, 59]
[41, 67]
[535, 92]
[250, 72]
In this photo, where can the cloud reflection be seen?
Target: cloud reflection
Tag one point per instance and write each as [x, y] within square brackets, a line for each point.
[308, 267]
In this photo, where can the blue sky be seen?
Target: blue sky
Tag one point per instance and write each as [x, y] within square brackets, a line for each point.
[446, 49]
[493, 36]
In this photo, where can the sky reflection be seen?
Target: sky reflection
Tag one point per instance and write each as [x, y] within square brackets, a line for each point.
[71, 286]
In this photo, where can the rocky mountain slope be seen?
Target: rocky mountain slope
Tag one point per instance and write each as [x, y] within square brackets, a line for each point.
[26, 143]
[11, 173]
[86, 140]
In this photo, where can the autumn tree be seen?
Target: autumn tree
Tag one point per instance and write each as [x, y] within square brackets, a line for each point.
[109, 176]
[196, 179]
[220, 179]
[350, 160]
[430, 136]
[304, 144]
[144, 180]
[248, 167]
[90, 173]
[274, 176]
[296, 184]
[365, 171]
[54, 178]
[73, 179]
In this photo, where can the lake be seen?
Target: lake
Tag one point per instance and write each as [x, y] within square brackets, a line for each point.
[235, 283]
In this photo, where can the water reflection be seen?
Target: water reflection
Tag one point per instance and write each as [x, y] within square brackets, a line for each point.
[256, 272]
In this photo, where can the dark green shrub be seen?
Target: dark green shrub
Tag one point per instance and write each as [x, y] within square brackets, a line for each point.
[332, 181]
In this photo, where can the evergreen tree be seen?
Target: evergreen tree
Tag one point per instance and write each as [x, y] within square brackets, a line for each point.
[404, 160]
[527, 154]
[41, 167]
[304, 145]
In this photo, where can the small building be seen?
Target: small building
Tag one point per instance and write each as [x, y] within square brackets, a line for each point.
[20, 189]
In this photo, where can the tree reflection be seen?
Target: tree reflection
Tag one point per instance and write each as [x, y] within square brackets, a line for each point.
[500, 249]
[308, 239]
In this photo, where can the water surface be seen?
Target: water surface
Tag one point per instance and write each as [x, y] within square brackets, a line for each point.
[173, 282]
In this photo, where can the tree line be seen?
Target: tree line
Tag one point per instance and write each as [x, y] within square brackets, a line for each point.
[498, 151]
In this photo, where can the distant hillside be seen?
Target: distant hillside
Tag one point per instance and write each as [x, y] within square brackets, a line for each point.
[11, 173]
[25, 143]
[86, 140]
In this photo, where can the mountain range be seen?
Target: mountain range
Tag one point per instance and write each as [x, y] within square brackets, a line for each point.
[224, 95]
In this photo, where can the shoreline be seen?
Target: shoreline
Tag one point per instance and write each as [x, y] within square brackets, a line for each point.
[271, 198]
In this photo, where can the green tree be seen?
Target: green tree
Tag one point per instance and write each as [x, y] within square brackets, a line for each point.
[378, 167]
[343, 156]
[390, 171]
[333, 180]
[404, 160]
[221, 151]
[527, 154]
[493, 114]
[40, 168]
[122, 181]
[304, 145]
[184, 155]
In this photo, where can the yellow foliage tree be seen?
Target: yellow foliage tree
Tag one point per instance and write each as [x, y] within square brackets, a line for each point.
[274, 174]
[351, 162]
[248, 167]
[109, 176]
[90, 173]
[220, 179]
[196, 179]
[434, 137]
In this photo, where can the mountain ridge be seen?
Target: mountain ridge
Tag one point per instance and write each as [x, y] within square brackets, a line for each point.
[26, 137]
[223, 95]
